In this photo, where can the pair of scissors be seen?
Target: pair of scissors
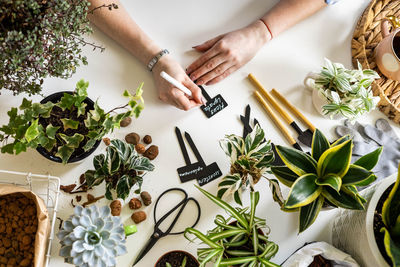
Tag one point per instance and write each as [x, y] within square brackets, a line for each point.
[157, 233]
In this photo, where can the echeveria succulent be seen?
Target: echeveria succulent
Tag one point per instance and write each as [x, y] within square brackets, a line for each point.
[92, 237]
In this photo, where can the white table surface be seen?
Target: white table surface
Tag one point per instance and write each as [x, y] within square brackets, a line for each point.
[178, 25]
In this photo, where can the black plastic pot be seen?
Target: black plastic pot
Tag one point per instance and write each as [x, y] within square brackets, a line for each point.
[191, 260]
[54, 98]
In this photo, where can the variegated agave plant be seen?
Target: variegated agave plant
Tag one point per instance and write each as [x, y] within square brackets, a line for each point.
[250, 159]
[92, 237]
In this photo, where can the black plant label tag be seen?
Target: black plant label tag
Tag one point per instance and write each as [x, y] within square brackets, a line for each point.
[210, 173]
[214, 105]
[190, 172]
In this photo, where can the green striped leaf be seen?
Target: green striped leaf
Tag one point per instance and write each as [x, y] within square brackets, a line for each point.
[335, 160]
[319, 144]
[368, 181]
[355, 175]
[369, 160]
[203, 238]
[284, 175]
[236, 261]
[297, 161]
[225, 234]
[309, 213]
[303, 191]
[343, 200]
[341, 140]
[391, 206]
[331, 180]
[267, 263]
[254, 198]
[392, 248]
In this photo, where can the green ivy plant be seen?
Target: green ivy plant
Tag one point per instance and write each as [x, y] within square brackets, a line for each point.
[241, 239]
[348, 92]
[250, 159]
[67, 128]
[324, 177]
[40, 39]
[121, 168]
[391, 220]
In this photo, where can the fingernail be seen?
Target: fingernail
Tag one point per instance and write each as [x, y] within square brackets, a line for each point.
[195, 46]
[203, 100]
[199, 82]
[192, 77]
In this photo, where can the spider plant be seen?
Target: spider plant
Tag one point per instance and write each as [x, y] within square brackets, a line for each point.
[236, 240]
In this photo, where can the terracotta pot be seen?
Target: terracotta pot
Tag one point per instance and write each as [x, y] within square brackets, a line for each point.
[158, 264]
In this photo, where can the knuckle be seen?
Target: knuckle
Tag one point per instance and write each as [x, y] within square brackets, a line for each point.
[209, 65]
[221, 45]
[218, 70]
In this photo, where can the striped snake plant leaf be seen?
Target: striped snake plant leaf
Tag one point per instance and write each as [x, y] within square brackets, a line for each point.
[284, 175]
[369, 160]
[343, 200]
[355, 175]
[392, 247]
[331, 180]
[368, 181]
[203, 238]
[303, 191]
[319, 144]
[335, 160]
[226, 234]
[297, 161]
[237, 261]
[309, 213]
[391, 210]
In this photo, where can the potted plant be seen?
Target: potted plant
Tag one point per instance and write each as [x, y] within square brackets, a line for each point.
[339, 92]
[250, 159]
[177, 258]
[40, 39]
[373, 238]
[326, 177]
[121, 168]
[92, 237]
[241, 239]
[66, 126]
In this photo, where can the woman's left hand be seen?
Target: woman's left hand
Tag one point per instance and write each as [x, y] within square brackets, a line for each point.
[226, 53]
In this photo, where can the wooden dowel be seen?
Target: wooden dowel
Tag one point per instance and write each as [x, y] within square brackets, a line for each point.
[274, 118]
[293, 109]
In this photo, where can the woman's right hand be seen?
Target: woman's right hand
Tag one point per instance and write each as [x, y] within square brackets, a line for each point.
[169, 93]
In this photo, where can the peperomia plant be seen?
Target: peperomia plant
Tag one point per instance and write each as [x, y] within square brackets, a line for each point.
[324, 177]
[241, 239]
[391, 220]
[250, 159]
[67, 128]
[121, 168]
[348, 92]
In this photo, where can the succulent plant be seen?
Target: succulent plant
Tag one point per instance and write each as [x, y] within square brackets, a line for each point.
[250, 159]
[66, 127]
[92, 237]
[121, 168]
[238, 239]
[390, 217]
[348, 92]
[324, 177]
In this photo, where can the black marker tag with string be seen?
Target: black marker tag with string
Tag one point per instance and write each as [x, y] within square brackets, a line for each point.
[213, 105]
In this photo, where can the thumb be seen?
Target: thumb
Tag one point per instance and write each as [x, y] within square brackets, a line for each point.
[208, 44]
[196, 91]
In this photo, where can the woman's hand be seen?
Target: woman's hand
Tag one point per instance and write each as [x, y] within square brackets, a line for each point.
[226, 53]
[170, 94]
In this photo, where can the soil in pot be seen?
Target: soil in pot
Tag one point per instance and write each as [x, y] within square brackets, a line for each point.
[378, 224]
[320, 261]
[175, 258]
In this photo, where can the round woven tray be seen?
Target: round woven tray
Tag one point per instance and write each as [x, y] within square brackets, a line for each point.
[367, 36]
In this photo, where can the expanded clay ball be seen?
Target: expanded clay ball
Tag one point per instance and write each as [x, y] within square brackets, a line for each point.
[146, 197]
[135, 204]
[125, 122]
[147, 139]
[151, 153]
[116, 207]
[106, 141]
[138, 216]
[132, 138]
[140, 148]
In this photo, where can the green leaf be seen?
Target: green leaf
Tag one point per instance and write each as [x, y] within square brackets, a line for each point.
[391, 206]
[81, 109]
[33, 131]
[331, 180]
[284, 175]
[9, 149]
[392, 247]
[319, 144]
[335, 160]
[64, 152]
[355, 175]
[89, 144]
[19, 147]
[124, 186]
[66, 102]
[51, 131]
[309, 213]
[26, 104]
[92, 179]
[341, 140]
[203, 238]
[97, 113]
[303, 191]
[72, 141]
[50, 144]
[81, 88]
[369, 160]
[343, 200]
[254, 198]
[297, 161]
[70, 124]
[114, 160]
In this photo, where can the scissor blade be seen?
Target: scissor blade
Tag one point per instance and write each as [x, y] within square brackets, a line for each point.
[145, 249]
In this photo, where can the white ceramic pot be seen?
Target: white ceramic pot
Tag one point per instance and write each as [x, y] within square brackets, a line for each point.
[353, 231]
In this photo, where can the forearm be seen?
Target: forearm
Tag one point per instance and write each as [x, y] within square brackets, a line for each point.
[287, 13]
[118, 24]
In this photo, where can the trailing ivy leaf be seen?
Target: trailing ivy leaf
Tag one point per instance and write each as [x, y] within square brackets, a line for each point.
[97, 113]
[33, 131]
[70, 124]
[19, 147]
[64, 152]
[81, 109]
[50, 144]
[26, 104]
[81, 88]
[72, 141]
[51, 131]
[89, 144]
[66, 102]
[9, 148]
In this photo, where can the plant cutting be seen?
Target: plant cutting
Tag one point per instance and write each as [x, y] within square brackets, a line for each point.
[121, 168]
[177, 258]
[40, 39]
[324, 177]
[240, 239]
[64, 127]
[340, 92]
[92, 237]
[250, 159]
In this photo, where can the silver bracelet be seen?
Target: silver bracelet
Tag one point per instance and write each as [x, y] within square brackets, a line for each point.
[156, 58]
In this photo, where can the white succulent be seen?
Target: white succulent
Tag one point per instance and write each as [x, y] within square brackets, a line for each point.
[92, 237]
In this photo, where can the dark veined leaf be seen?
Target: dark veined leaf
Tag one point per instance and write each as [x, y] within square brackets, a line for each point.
[309, 213]
[72, 141]
[342, 199]
[391, 209]
[140, 163]
[331, 180]
[369, 160]
[92, 179]
[254, 139]
[392, 247]
[124, 186]
[276, 192]
[100, 163]
[237, 196]
[335, 160]
[64, 152]
[303, 191]
[284, 175]
[113, 159]
[108, 193]
[297, 161]
[355, 175]
[319, 144]
[70, 124]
